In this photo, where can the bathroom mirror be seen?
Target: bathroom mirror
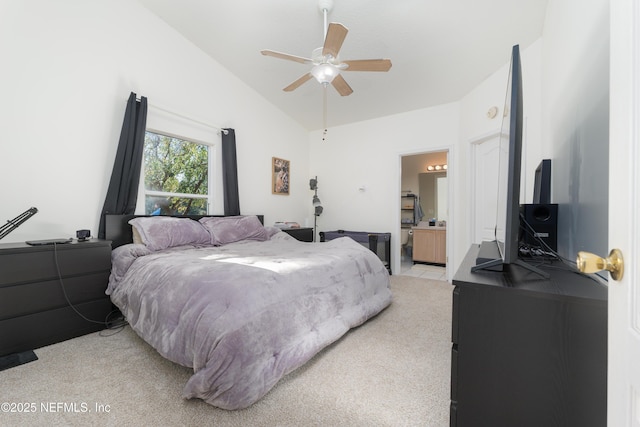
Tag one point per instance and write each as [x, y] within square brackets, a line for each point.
[433, 195]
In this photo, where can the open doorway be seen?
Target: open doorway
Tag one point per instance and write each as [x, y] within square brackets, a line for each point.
[424, 214]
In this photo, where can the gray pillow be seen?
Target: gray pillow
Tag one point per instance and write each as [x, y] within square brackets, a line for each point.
[231, 229]
[162, 232]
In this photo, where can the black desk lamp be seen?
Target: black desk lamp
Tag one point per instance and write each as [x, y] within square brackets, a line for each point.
[14, 223]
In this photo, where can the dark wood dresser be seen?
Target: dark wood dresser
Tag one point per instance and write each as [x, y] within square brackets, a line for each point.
[34, 311]
[304, 234]
[528, 351]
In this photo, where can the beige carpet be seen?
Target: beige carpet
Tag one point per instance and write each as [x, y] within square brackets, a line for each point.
[392, 371]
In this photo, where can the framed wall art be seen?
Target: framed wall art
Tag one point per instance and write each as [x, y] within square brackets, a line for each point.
[280, 171]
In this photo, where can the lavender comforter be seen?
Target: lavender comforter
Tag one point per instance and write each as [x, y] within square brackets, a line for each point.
[245, 314]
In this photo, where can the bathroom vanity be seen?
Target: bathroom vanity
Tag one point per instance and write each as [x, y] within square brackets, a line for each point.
[429, 243]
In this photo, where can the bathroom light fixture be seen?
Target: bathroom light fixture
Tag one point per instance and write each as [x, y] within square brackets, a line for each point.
[436, 168]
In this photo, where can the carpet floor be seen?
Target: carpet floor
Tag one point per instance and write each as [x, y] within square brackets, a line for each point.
[392, 371]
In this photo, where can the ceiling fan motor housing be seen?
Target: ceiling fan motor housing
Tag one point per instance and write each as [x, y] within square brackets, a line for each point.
[318, 58]
[325, 5]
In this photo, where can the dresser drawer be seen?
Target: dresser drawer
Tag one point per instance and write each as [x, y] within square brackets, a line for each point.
[454, 315]
[52, 293]
[23, 266]
[18, 300]
[49, 327]
[454, 373]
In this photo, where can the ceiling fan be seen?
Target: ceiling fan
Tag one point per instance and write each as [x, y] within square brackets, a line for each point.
[326, 62]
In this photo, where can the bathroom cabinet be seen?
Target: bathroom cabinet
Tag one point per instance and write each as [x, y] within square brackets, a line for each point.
[430, 245]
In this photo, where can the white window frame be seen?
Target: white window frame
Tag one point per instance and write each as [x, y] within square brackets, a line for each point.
[211, 155]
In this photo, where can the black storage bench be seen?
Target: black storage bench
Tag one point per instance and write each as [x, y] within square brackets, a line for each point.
[379, 243]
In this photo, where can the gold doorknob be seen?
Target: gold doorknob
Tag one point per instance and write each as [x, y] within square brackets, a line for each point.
[590, 263]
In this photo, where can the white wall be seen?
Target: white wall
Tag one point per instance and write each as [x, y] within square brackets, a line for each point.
[480, 134]
[576, 120]
[566, 107]
[368, 154]
[565, 78]
[67, 70]
[475, 124]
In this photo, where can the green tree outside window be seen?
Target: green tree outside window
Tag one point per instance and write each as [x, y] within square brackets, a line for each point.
[175, 175]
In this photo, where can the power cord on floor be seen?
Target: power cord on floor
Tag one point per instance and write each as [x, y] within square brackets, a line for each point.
[116, 324]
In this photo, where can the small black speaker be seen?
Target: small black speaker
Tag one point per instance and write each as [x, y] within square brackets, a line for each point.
[543, 219]
[83, 235]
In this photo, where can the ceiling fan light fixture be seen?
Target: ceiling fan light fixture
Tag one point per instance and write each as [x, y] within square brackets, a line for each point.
[325, 73]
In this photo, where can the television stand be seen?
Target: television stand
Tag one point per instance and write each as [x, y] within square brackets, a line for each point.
[526, 351]
[531, 268]
[489, 258]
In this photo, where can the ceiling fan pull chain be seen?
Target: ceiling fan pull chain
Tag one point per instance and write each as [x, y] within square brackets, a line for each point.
[324, 121]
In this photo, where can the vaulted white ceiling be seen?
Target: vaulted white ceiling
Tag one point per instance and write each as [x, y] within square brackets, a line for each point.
[440, 50]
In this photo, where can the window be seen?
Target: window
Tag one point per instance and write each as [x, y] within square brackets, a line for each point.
[176, 176]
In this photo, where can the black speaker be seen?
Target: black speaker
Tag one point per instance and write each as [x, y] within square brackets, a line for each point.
[543, 219]
[83, 235]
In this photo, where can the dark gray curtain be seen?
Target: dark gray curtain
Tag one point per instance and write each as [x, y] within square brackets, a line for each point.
[230, 173]
[122, 193]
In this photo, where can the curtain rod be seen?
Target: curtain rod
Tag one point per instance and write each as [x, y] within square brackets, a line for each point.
[166, 110]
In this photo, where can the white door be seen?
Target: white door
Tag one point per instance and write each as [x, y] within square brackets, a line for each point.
[623, 405]
[484, 161]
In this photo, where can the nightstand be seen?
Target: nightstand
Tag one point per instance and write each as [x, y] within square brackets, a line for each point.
[34, 311]
[304, 234]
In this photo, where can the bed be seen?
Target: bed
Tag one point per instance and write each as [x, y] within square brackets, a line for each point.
[239, 303]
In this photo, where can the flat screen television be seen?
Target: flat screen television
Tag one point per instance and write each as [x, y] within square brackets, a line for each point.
[504, 249]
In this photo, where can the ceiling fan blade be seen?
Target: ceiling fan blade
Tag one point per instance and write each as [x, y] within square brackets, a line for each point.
[286, 56]
[298, 82]
[368, 65]
[341, 86]
[336, 34]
